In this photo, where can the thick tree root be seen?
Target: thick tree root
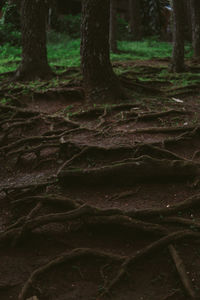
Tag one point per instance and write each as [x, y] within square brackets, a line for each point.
[187, 283]
[107, 216]
[154, 130]
[149, 116]
[154, 115]
[191, 202]
[92, 215]
[99, 110]
[140, 169]
[82, 151]
[133, 162]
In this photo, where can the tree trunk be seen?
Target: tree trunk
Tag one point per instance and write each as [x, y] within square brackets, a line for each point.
[178, 37]
[135, 19]
[113, 26]
[188, 35]
[100, 82]
[34, 63]
[195, 18]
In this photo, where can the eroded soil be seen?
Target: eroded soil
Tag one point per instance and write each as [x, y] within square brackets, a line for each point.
[101, 201]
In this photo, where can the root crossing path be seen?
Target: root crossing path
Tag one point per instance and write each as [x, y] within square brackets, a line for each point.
[102, 202]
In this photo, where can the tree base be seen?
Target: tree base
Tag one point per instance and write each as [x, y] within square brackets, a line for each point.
[28, 72]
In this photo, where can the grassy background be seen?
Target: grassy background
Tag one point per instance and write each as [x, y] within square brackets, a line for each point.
[65, 52]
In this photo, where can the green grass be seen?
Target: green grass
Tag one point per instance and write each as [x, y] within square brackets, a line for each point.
[9, 58]
[64, 52]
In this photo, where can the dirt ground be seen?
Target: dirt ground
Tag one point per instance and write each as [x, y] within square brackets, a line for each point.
[101, 201]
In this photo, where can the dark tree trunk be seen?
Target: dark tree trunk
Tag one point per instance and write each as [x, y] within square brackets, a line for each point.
[188, 35]
[178, 37]
[100, 82]
[113, 26]
[34, 63]
[195, 18]
[135, 19]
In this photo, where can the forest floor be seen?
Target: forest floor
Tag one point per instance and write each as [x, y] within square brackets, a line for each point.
[101, 201]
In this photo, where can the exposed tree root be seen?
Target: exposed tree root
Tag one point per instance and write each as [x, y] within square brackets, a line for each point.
[72, 159]
[49, 200]
[126, 222]
[65, 258]
[187, 283]
[31, 214]
[36, 150]
[130, 261]
[7, 189]
[82, 151]
[65, 92]
[94, 215]
[18, 123]
[127, 163]
[162, 129]
[152, 115]
[95, 149]
[86, 211]
[191, 202]
[102, 118]
[156, 152]
[123, 195]
[172, 295]
[193, 88]
[127, 262]
[23, 112]
[99, 110]
[155, 115]
[139, 170]
[130, 84]
[192, 223]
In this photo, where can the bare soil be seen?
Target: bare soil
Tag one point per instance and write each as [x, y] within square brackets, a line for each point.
[101, 201]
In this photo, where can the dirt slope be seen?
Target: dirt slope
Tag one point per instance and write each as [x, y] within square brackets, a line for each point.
[101, 201]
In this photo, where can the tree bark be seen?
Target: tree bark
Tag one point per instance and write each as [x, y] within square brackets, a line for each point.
[195, 18]
[100, 82]
[178, 37]
[135, 19]
[34, 63]
[113, 26]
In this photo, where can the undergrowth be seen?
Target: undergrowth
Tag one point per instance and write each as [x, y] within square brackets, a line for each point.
[65, 52]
